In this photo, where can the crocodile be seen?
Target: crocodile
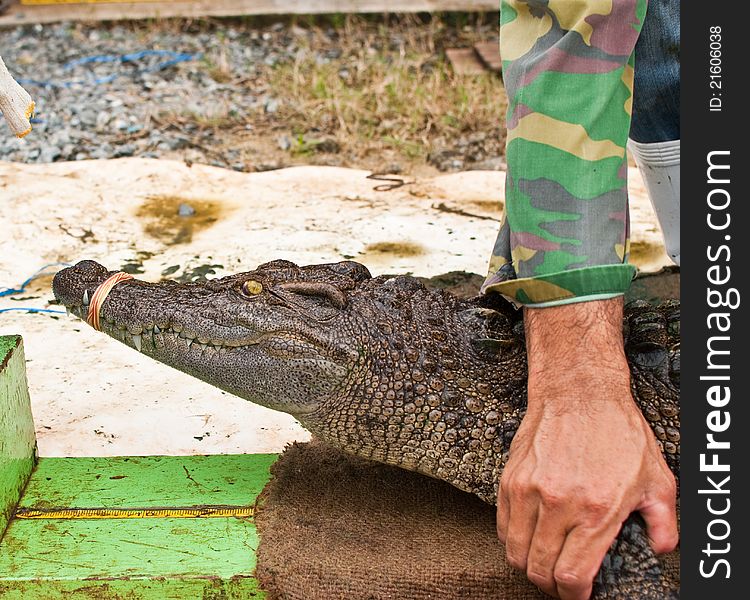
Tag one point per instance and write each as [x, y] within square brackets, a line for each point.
[386, 369]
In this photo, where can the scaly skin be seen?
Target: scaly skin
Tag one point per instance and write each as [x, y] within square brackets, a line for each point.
[385, 369]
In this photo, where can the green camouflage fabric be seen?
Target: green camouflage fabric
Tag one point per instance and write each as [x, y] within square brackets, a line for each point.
[568, 72]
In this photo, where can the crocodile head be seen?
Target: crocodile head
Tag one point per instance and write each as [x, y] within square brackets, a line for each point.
[275, 336]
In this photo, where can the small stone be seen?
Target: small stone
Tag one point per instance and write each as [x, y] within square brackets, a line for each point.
[50, 154]
[177, 143]
[102, 119]
[103, 151]
[328, 145]
[269, 166]
[185, 210]
[124, 150]
[88, 118]
[491, 164]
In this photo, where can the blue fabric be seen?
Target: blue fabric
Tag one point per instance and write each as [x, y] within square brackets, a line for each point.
[656, 90]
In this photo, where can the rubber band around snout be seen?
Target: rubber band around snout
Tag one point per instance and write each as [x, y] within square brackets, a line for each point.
[100, 295]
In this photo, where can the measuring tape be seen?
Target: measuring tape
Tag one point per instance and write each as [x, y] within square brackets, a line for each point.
[190, 512]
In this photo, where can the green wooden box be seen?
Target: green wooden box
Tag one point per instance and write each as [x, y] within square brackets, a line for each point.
[156, 527]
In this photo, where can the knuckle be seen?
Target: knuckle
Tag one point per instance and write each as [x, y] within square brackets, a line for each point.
[517, 490]
[553, 498]
[515, 560]
[542, 580]
[570, 578]
[597, 508]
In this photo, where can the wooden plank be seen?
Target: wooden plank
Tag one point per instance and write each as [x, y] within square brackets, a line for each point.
[107, 550]
[489, 54]
[149, 559]
[238, 588]
[17, 438]
[465, 61]
[19, 14]
[148, 481]
[51, 2]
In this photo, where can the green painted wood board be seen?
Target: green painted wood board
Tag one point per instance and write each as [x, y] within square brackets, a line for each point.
[149, 559]
[148, 481]
[134, 589]
[80, 549]
[17, 438]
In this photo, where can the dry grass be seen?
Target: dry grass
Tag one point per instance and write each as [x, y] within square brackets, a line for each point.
[405, 98]
[383, 91]
[403, 102]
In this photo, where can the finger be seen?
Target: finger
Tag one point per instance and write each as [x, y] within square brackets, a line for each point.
[503, 513]
[546, 546]
[580, 560]
[521, 525]
[581, 557]
[661, 525]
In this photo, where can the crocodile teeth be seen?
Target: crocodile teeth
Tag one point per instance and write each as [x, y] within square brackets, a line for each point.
[86, 297]
[157, 331]
[137, 341]
[67, 311]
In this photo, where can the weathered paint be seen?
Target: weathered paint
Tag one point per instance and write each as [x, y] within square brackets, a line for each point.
[203, 511]
[148, 481]
[130, 548]
[150, 559]
[241, 588]
[17, 440]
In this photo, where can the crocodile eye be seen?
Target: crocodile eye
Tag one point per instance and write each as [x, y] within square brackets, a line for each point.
[252, 287]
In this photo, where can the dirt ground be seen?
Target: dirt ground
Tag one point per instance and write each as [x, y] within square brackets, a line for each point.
[255, 94]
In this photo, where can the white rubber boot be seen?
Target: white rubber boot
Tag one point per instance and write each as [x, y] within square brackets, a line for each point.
[659, 163]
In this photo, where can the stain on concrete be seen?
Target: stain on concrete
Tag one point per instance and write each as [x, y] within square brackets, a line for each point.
[175, 219]
[394, 249]
[645, 252]
[490, 206]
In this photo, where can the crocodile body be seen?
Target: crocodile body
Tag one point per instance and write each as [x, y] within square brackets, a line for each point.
[384, 368]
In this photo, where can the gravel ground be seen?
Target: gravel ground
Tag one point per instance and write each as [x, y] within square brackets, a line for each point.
[202, 109]
[120, 118]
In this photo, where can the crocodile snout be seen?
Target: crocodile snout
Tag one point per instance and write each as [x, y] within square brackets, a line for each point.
[74, 286]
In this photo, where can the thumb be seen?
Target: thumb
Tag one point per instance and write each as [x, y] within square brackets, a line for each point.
[661, 524]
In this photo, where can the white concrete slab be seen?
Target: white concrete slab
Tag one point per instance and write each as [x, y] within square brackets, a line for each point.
[94, 397]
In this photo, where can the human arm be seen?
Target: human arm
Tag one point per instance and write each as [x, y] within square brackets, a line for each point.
[583, 446]
[584, 457]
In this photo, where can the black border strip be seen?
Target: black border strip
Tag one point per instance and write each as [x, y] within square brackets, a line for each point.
[714, 131]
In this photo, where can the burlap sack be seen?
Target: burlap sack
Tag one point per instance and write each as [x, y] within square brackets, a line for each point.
[336, 526]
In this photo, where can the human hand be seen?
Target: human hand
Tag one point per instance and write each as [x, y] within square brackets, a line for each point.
[584, 457]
